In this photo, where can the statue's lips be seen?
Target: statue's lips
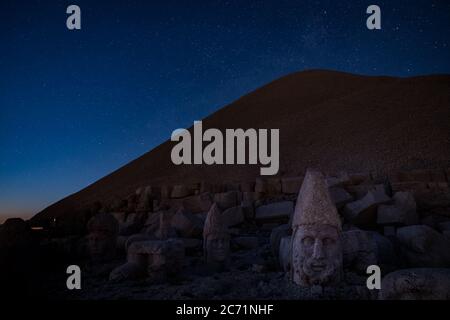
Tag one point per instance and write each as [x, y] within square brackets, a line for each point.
[318, 267]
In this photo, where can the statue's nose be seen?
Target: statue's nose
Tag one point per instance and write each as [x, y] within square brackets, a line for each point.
[318, 249]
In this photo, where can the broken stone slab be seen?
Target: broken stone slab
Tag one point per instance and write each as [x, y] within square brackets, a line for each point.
[363, 212]
[186, 224]
[340, 196]
[249, 209]
[246, 242]
[198, 203]
[422, 246]
[233, 216]
[284, 256]
[228, 199]
[276, 210]
[155, 259]
[386, 256]
[276, 235]
[359, 191]
[133, 223]
[416, 284]
[181, 191]
[341, 179]
[359, 250]
[402, 212]
[291, 185]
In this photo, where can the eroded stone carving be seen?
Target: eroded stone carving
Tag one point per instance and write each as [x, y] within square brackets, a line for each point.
[216, 239]
[316, 248]
[103, 231]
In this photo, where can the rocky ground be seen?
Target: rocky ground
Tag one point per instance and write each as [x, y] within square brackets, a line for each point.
[398, 222]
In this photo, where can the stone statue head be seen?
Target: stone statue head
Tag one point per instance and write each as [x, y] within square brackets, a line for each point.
[316, 248]
[216, 239]
[103, 231]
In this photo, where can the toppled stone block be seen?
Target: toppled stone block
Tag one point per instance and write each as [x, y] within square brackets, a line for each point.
[249, 209]
[181, 191]
[359, 250]
[133, 223]
[227, 200]
[340, 180]
[284, 257]
[291, 185]
[276, 235]
[402, 212]
[360, 190]
[363, 213]
[246, 242]
[386, 255]
[416, 284]
[198, 203]
[233, 216]
[186, 224]
[276, 210]
[145, 198]
[422, 246]
[155, 259]
[340, 196]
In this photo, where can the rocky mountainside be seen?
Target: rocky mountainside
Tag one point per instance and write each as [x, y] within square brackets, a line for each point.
[328, 120]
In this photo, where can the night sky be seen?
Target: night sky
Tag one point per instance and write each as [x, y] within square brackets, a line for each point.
[76, 105]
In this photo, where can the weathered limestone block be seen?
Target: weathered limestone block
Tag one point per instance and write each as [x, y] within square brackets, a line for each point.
[386, 255]
[151, 225]
[402, 212]
[155, 259]
[341, 179]
[291, 185]
[284, 253]
[422, 246]
[340, 196]
[363, 213]
[248, 209]
[360, 250]
[416, 284]
[198, 203]
[276, 235]
[133, 223]
[276, 210]
[227, 200]
[233, 216]
[145, 199]
[186, 224]
[316, 246]
[181, 191]
[103, 230]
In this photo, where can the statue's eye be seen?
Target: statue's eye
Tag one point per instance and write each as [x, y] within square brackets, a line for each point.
[328, 241]
[308, 241]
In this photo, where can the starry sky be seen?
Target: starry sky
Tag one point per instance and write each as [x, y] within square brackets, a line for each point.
[76, 105]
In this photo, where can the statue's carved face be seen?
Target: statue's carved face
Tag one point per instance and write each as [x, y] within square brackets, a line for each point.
[101, 245]
[218, 247]
[316, 255]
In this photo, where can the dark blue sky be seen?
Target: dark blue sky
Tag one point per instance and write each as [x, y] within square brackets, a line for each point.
[76, 105]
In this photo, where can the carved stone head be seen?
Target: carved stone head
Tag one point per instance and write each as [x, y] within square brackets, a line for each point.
[216, 239]
[316, 248]
[103, 231]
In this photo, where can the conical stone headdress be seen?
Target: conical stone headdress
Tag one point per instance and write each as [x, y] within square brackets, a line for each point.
[314, 204]
[214, 222]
